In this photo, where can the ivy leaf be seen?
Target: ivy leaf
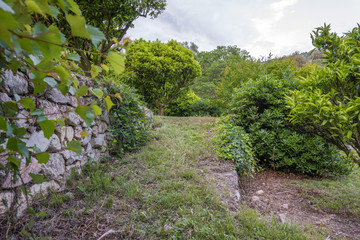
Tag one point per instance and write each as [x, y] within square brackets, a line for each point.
[81, 91]
[74, 56]
[28, 103]
[43, 157]
[6, 7]
[77, 24]
[74, 146]
[84, 134]
[48, 127]
[3, 124]
[97, 109]
[108, 103]
[117, 62]
[37, 178]
[96, 35]
[50, 81]
[54, 11]
[98, 92]
[85, 113]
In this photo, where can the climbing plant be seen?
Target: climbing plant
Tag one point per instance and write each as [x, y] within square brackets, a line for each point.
[31, 43]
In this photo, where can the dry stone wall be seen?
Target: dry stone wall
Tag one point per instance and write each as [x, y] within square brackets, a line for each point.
[55, 106]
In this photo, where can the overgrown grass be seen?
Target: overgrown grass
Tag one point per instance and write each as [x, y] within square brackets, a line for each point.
[339, 196]
[160, 193]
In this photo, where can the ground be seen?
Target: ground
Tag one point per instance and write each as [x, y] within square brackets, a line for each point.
[174, 187]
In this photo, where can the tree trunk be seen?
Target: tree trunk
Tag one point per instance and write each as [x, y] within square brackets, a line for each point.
[161, 110]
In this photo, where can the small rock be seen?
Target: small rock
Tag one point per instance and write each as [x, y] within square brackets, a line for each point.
[56, 96]
[14, 84]
[38, 139]
[260, 192]
[102, 127]
[69, 133]
[285, 206]
[282, 217]
[52, 110]
[23, 122]
[43, 188]
[73, 101]
[4, 97]
[61, 132]
[55, 144]
[255, 198]
[78, 130]
[99, 141]
[7, 196]
[55, 167]
[73, 119]
[95, 131]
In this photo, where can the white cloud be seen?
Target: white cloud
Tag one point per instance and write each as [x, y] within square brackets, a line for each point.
[259, 26]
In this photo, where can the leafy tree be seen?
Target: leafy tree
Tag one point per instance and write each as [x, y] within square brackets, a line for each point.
[213, 64]
[161, 71]
[330, 101]
[113, 18]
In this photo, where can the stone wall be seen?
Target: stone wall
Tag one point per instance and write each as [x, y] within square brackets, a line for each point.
[56, 106]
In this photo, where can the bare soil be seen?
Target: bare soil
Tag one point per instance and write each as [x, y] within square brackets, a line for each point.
[282, 199]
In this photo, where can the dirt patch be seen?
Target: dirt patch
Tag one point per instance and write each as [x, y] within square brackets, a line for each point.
[276, 194]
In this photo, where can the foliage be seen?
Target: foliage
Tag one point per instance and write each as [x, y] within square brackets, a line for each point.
[161, 71]
[42, 50]
[129, 125]
[330, 100]
[113, 19]
[205, 107]
[182, 105]
[260, 108]
[213, 64]
[233, 143]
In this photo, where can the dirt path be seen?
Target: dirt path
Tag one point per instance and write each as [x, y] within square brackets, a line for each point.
[275, 194]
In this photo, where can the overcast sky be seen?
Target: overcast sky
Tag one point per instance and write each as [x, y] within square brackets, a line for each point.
[258, 26]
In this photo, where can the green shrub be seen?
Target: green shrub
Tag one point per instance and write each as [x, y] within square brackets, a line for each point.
[232, 142]
[204, 107]
[129, 125]
[181, 107]
[260, 108]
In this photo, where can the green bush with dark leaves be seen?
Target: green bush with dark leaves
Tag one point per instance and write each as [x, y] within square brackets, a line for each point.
[205, 107]
[130, 127]
[181, 107]
[260, 109]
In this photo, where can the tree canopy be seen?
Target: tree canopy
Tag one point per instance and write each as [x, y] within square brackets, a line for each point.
[161, 71]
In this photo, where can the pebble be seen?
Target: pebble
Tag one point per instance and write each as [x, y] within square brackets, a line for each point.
[260, 192]
[255, 198]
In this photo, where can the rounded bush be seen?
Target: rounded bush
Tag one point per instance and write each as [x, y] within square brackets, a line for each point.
[260, 109]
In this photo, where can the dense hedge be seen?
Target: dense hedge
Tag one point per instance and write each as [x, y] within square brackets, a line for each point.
[130, 127]
[260, 109]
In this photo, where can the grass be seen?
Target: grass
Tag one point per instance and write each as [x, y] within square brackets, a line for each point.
[157, 193]
[339, 196]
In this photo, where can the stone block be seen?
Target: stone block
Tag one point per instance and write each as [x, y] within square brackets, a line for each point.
[54, 95]
[14, 84]
[38, 139]
[55, 167]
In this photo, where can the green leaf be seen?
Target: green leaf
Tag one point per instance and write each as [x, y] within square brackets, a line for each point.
[28, 103]
[108, 103]
[6, 7]
[61, 122]
[96, 35]
[38, 112]
[10, 108]
[117, 62]
[54, 11]
[97, 109]
[16, 161]
[77, 24]
[3, 124]
[81, 91]
[12, 144]
[74, 56]
[50, 81]
[33, 6]
[85, 113]
[43, 157]
[98, 92]
[48, 127]
[5, 35]
[74, 146]
[74, 7]
[84, 134]
[37, 178]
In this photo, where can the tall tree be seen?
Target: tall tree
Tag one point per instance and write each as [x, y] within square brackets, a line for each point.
[161, 71]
